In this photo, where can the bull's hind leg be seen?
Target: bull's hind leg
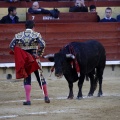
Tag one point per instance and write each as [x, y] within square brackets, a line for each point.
[80, 84]
[91, 92]
[100, 78]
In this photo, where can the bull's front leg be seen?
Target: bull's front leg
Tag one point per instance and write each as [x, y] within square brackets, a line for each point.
[71, 95]
[100, 93]
[100, 77]
[80, 84]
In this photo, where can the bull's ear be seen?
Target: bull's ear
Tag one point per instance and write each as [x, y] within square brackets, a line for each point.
[50, 57]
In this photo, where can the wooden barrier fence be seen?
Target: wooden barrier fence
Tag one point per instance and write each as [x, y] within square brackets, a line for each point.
[59, 34]
[63, 17]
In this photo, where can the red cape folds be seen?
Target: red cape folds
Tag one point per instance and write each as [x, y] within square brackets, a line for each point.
[25, 63]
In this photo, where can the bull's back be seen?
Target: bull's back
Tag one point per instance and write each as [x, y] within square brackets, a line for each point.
[89, 54]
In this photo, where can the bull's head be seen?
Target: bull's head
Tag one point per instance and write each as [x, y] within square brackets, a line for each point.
[61, 62]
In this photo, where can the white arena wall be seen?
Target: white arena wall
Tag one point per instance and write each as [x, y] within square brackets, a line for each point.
[7, 70]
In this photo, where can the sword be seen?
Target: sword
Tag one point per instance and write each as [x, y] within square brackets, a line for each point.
[41, 75]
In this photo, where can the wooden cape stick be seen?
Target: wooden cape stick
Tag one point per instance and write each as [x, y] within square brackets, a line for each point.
[40, 75]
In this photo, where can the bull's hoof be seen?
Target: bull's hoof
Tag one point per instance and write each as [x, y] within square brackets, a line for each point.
[100, 94]
[90, 94]
[79, 98]
[70, 97]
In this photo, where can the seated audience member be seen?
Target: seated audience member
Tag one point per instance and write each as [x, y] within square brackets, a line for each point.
[118, 18]
[93, 9]
[35, 9]
[11, 17]
[79, 7]
[108, 14]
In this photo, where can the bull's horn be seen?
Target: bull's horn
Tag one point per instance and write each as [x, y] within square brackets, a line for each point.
[70, 56]
[49, 55]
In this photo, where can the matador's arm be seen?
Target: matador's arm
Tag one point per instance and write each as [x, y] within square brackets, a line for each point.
[41, 45]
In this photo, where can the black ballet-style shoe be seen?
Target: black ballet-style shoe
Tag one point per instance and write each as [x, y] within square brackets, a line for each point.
[47, 100]
[27, 103]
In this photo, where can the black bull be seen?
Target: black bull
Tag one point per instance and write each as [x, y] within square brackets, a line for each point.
[90, 57]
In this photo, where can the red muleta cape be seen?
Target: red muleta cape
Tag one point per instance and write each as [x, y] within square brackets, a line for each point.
[25, 63]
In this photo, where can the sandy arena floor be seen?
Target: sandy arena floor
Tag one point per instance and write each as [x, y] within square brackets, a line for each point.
[94, 108]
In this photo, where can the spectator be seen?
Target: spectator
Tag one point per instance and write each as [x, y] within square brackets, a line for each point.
[118, 18]
[79, 7]
[11, 17]
[108, 14]
[35, 9]
[93, 9]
